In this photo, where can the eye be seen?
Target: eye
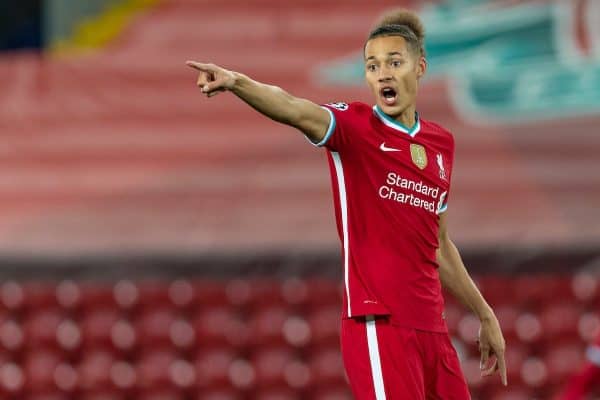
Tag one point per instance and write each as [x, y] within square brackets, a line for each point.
[372, 67]
[396, 63]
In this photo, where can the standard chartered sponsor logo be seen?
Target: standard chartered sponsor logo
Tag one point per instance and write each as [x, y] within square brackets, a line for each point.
[394, 182]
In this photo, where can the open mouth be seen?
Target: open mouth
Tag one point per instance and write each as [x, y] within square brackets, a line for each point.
[388, 95]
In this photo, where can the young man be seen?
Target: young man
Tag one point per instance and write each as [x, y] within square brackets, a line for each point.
[391, 173]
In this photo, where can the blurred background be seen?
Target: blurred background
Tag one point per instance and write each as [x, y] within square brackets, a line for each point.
[158, 245]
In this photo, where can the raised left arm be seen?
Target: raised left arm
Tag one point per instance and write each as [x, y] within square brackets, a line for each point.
[456, 280]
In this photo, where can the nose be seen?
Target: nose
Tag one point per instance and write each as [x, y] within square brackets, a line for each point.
[384, 74]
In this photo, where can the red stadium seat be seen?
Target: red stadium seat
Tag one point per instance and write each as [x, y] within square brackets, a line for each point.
[209, 293]
[295, 293]
[528, 328]
[126, 294]
[182, 295]
[153, 369]
[586, 288]
[219, 326]
[39, 296]
[559, 322]
[153, 326]
[562, 360]
[325, 325]
[496, 290]
[507, 316]
[12, 296]
[40, 328]
[104, 327]
[534, 372]
[94, 371]
[270, 365]
[213, 366]
[103, 394]
[266, 326]
[11, 335]
[49, 396]
[327, 368]
[341, 392]
[323, 292]
[68, 296]
[96, 296]
[278, 394]
[219, 394]
[47, 374]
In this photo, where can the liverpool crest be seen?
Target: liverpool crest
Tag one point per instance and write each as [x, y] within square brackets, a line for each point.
[418, 155]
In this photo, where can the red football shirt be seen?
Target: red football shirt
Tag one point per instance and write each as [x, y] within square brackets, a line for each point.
[390, 184]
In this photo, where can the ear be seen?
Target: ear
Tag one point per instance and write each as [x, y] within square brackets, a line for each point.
[421, 67]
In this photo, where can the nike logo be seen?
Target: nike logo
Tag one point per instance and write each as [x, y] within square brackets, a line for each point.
[383, 147]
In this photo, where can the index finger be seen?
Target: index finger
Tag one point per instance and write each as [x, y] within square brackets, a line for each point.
[502, 368]
[201, 66]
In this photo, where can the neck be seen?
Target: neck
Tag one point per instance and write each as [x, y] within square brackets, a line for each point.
[407, 117]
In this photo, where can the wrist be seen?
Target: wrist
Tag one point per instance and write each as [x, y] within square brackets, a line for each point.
[486, 314]
[238, 80]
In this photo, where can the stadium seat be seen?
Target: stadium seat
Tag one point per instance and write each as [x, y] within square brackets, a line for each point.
[39, 295]
[96, 295]
[325, 323]
[327, 368]
[559, 321]
[103, 327]
[12, 296]
[562, 358]
[209, 293]
[40, 328]
[39, 368]
[153, 326]
[322, 292]
[182, 295]
[333, 393]
[68, 296]
[266, 326]
[219, 325]
[153, 369]
[94, 371]
[11, 334]
[219, 394]
[278, 394]
[212, 367]
[270, 364]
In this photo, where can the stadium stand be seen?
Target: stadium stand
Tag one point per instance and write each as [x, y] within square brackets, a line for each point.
[161, 347]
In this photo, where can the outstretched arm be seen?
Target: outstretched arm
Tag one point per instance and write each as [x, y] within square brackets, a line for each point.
[269, 100]
[456, 280]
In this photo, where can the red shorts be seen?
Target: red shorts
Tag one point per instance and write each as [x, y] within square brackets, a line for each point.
[388, 362]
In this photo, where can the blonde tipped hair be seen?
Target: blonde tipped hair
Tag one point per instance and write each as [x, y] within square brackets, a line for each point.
[404, 23]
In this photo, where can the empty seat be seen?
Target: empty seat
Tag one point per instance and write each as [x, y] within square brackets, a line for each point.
[220, 326]
[327, 368]
[325, 325]
[212, 367]
[94, 371]
[270, 365]
[266, 326]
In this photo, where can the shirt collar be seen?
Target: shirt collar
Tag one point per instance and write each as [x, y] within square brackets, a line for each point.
[392, 123]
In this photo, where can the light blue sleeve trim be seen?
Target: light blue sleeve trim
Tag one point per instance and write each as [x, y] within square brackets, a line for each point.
[443, 209]
[330, 129]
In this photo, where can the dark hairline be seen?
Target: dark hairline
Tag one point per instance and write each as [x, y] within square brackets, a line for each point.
[410, 47]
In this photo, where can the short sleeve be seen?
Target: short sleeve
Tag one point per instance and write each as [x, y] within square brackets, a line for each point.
[340, 128]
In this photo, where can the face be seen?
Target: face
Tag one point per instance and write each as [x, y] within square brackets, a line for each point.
[393, 72]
